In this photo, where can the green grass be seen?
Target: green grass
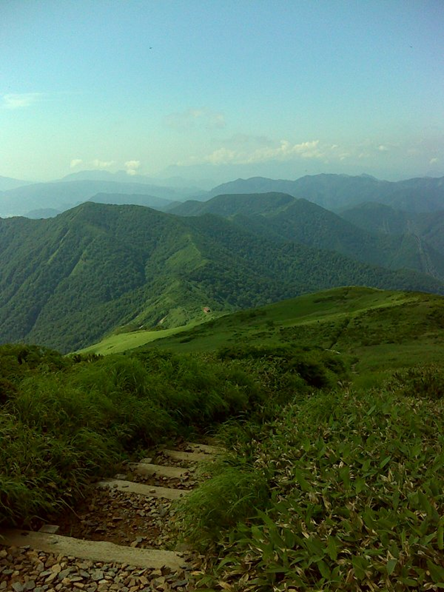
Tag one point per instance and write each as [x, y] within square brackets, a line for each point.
[382, 330]
[64, 420]
[116, 344]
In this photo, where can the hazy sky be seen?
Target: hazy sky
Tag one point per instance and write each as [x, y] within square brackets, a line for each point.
[223, 88]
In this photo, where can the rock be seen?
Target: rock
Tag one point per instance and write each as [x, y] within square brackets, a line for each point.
[50, 578]
[64, 573]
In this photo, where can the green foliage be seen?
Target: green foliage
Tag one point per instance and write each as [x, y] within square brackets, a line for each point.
[232, 494]
[63, 420]
[426, 227]
[355, 498]
[423, 381]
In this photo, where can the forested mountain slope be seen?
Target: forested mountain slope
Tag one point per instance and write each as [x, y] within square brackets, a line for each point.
[384, 219]
[67, 281]
[280, 216]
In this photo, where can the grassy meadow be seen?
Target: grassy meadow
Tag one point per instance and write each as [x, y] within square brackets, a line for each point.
[380, 330]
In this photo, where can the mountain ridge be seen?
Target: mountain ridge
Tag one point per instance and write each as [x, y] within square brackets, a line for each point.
[67, 281]
[282, 217]
[339, 191]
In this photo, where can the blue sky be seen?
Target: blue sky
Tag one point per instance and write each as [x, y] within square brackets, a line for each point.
[222, 88]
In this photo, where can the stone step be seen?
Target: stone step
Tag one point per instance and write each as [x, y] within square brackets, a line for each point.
[206, 448]
[142, 489]
[92, 550]
[148, 469]
[188, 456]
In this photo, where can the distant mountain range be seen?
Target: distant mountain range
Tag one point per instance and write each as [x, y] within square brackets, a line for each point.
[338, 191]
[63, 195]
[67, 281]
[333, 192]
[184, 186]
[7, 183]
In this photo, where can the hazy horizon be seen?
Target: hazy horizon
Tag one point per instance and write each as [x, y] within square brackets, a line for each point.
[222, 90]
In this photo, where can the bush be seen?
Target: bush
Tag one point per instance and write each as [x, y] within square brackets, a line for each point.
[426, 381]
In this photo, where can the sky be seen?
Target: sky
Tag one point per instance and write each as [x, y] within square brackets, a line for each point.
[222, 89]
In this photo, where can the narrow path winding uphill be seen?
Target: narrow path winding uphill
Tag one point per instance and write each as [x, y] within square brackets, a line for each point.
[121, 539]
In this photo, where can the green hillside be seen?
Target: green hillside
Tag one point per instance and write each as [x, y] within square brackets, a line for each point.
[280, 217]
[68, 281]
[381, 329]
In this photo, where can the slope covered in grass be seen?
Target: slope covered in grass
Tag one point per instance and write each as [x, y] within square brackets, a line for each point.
[382, 329]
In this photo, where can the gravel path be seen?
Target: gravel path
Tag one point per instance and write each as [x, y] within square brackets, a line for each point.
[118, 517]
[24, 569]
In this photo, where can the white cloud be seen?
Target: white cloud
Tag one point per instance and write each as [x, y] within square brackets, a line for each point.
[221, 156]
[194, 119]
[75, 162]
[19, 101]
[132, 164]
[102, 164]
[243, 149]
[434, 161]
[288, 151]
[284, 150]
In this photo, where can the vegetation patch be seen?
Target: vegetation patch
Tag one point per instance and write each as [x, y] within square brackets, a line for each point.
[64, 420]
[349, 498]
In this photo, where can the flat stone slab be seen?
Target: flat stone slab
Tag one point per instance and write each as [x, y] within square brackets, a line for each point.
[188, 456]
[147, 469]
[49, 528]
[142, 489]
[206, 448]
[91, 550]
